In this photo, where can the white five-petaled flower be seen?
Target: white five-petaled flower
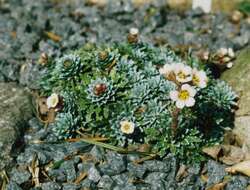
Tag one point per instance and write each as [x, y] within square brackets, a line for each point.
[183, 73]
[127, 127]
[52, 100]
[134, 31]
[184, 97]
[166, 70]
[199, 78]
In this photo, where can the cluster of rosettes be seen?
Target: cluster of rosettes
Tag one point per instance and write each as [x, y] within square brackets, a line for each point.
[188, 81]
[135, 93]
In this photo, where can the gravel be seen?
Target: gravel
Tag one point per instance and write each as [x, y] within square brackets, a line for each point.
[25, 27]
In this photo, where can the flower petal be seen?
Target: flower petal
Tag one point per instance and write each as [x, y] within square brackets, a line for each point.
[190, 102]
[173, 95]
[180, 104]
[203, 84]
[185, 86]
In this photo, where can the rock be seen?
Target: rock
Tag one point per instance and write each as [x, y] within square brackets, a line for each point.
[69, 169]
[45, 153]
[50, 186]
[116, 164]
[58, 174]
[157, 166]
[238, 77]
[106, 183]
[237, 182]
[15, 110]
[88, 184]
[94, 174]
[97, 153]
[20, 177]
[125, 187]
[121, 179]
[70, 186]
[30, 75]
[155, 177]
[215, 172]
[13, 186]
[84, 167]
[136, 170]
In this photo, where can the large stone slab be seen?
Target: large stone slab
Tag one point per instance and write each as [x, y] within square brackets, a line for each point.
[15, 110]
[239, 78]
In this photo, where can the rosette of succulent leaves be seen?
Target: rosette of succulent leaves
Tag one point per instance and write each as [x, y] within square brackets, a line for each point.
[138, 93]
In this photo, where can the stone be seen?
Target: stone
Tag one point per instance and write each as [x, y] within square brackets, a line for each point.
[88, 184]
[50, 186]
[70, 186]
[153, 177]
[125, 187]
[116, 164]
[97, 153]
[15, 111]
[238, 77]
[106, 183]
[237, 182]
[157, 166]
[13, 186]
[30, 75]
[58, 174]
[20, 177]
[121, 179]
[136, 170]
[94, 174]
[215, 172]
[69, 169]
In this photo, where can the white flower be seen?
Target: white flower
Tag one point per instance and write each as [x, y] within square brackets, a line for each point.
[127, 127]
[226, 59]
[230, 52]
[52, 100]
[184, 97]
[199, 78]
[166, 70]
[230, 65]
[222, 52]
[134, 31]
[183, 73]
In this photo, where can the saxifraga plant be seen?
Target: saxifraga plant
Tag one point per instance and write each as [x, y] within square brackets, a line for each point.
[137, 93]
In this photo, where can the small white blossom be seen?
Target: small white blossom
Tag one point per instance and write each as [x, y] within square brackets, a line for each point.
[134, 31]
[183, 73]
[166, 70]
[127, 127]
[222, 52]
[230, 52]
[52, 100]
[184, 97]
[226, 59]
[230, 65]
[199, 78]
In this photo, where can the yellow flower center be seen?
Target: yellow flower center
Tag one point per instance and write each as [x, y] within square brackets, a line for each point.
[181, 75]
[127, 127]
[196, 80]
[183, 95]
[54, 101]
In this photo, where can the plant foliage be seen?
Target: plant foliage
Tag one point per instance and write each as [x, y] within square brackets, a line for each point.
[118, 92]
